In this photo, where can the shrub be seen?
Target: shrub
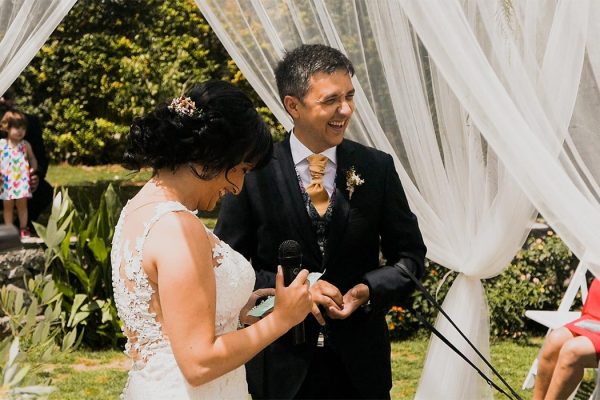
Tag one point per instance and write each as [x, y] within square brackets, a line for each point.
[34, 325]
[109, 61]
[81, 270]
[536, 279]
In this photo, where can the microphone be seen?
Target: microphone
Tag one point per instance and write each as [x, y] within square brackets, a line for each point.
[290, 259]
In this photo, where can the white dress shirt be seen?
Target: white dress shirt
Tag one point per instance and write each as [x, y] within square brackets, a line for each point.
[299, 154]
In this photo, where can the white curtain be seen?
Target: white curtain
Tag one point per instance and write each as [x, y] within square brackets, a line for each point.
[24, 27]
[492, 95]
[519, 86]
[556, 179]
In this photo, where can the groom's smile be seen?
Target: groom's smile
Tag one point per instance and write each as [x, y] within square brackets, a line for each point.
[323, 114]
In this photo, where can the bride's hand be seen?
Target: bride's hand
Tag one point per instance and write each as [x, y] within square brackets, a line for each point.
[257, 294]
[292, 303]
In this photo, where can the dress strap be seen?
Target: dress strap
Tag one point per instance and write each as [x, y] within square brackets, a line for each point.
[161, 209]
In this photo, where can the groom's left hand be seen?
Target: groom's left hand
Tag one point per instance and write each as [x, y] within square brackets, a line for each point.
[353, 299]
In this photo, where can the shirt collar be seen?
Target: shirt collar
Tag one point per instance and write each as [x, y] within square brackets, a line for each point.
[300, 151]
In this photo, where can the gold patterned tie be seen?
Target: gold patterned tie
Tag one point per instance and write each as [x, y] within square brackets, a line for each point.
[316, 188]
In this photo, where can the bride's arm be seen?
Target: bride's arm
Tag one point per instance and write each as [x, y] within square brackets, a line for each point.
[181, 253]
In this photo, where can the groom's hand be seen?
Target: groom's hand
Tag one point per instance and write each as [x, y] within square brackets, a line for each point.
[353, 299]
[326, 295]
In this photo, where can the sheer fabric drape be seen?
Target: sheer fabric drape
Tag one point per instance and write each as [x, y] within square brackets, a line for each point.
[471, 210]
[25, 25]
[555, 177]
[518, 77]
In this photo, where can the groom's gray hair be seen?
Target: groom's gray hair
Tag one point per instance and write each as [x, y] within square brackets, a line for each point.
[294, 71]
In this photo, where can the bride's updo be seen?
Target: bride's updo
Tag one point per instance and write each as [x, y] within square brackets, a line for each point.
[214, 125]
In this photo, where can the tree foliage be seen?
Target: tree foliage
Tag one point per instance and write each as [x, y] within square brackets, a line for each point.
[111, 60]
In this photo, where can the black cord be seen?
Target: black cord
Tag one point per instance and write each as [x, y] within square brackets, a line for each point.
[458, 352]
[429, 297]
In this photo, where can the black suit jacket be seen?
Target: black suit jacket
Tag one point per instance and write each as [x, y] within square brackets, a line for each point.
[34, 137]
[270, 209]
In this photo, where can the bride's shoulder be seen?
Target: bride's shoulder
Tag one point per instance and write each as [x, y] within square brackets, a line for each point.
[179, 232]
[174, 225]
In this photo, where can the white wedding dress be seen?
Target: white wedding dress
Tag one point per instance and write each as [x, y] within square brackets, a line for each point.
[155, 373]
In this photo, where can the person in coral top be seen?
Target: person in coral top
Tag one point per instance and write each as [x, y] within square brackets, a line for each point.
[569, 350]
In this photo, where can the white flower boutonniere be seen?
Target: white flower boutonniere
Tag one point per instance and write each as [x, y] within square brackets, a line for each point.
[352, 181]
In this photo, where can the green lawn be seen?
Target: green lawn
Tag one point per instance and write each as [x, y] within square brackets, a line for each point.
[102, 375]
[87, 184]
[68, 175]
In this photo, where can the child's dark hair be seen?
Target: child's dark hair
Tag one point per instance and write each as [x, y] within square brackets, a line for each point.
[224, 131]
[13, 119]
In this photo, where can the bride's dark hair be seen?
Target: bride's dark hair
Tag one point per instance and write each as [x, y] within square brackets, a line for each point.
[224, 130]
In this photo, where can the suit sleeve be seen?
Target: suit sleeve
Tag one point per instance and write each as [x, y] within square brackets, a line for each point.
[401, 245]
[236, 227]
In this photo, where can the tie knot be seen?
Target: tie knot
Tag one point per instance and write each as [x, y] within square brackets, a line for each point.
[316, 165]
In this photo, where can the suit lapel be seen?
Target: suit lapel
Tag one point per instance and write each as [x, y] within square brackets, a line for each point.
[293, 203]
[339, 218]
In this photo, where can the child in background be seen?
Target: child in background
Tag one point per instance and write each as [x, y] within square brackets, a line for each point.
[17, 160]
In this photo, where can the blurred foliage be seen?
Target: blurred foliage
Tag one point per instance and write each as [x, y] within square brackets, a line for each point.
[537, 279]
[78, 241]
[109, 61]
[33, 330]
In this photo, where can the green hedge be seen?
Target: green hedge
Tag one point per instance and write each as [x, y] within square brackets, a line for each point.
[536, 279]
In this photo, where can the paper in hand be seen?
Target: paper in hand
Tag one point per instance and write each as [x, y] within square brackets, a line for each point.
[269, 303]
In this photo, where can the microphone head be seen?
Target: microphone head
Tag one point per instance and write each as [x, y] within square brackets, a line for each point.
[290, 259]
[289, 249]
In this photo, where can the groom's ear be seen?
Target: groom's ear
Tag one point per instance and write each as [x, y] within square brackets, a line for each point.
[291, 105]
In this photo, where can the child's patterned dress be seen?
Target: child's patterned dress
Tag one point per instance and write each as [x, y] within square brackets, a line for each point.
[15, 169]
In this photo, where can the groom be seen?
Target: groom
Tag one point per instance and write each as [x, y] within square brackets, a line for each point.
[343, 202]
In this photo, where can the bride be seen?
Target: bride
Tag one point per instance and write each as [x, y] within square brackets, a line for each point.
[180, 291]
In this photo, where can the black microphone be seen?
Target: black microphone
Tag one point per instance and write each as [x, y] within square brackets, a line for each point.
[290, 259]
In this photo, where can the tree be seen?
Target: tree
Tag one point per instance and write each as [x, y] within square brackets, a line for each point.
[112, 60]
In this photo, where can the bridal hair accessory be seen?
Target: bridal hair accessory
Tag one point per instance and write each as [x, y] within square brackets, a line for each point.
[185, 107]
[353, 180]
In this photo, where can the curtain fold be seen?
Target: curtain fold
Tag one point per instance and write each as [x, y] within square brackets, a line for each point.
[25, 25]
[506, 92]
[419, 102]
[489, 110]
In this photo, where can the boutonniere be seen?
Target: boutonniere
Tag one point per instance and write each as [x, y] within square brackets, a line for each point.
[352, 181]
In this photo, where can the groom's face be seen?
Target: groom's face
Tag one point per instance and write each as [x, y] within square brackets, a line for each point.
[322, 116]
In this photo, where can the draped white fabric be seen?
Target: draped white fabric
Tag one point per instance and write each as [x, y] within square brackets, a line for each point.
[25, 25]
[493, 84]
[521, 96]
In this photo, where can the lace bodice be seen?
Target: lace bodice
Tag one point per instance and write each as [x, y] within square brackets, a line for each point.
[133, 293]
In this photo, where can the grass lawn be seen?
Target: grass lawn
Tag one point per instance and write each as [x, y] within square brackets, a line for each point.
[69, 175]
[102, 375]
[87, 184]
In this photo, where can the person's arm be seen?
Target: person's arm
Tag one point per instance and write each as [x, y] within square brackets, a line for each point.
[403, 248]
[33, 163]
[401, 245]
[187, 292]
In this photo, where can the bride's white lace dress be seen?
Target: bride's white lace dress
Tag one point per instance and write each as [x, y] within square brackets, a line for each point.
[155, 373]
